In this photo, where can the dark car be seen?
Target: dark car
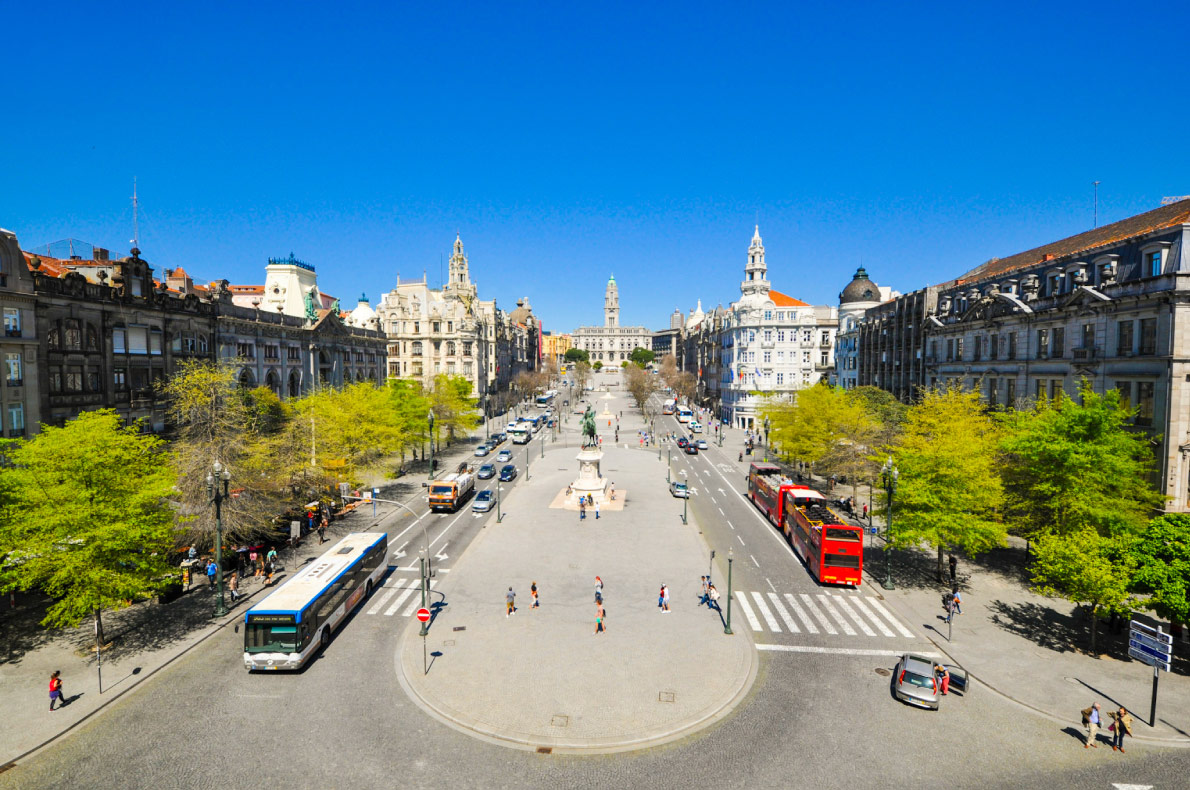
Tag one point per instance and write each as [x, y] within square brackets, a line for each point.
[682, 442]
[486, 472]
[691, 448]
[508, 472]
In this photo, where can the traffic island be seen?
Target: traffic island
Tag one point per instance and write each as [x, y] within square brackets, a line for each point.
[542, 679]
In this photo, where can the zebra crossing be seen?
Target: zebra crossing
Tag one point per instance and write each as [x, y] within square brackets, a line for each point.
[812, 614]
[401, 589]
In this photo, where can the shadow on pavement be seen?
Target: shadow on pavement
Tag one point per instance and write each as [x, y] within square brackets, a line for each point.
[20, 627]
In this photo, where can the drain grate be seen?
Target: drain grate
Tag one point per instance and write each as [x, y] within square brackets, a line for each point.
[545, 749]
[558, 720]
[665, 696]
[459, 628]
[882, 672]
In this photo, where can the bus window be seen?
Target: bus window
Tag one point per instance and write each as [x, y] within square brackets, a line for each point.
[833, 533]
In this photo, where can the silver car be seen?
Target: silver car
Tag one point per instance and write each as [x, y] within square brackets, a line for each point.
[914, 681]
[483, 502]
[678, 489]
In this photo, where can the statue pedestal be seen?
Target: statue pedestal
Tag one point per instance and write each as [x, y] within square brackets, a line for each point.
[589, 481]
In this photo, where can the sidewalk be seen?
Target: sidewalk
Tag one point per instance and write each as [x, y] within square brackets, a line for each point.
[542, 679]
[143, 639]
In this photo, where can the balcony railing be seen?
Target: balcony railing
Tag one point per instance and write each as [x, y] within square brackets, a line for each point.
[1087, 352]
[15, 382]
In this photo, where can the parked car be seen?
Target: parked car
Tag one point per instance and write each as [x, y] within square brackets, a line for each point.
[482, 450]
[504, 456]
[678, 489]
[914, 681]
[682, 442]
[508, 472]
[484, 501]
[691, 448]
[702, 444]
[497, 439]
[486, 472]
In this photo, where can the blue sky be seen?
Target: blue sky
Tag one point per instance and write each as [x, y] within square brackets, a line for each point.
[570, 141]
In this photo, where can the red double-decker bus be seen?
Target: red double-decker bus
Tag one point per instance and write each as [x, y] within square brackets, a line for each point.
[767, 487]
[833, 551]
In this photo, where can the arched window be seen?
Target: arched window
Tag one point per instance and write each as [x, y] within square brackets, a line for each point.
[272, 382]
[450, 348]
[92, 338]
[73, 338]
[54, 338]
[295, 384]
[247, 380]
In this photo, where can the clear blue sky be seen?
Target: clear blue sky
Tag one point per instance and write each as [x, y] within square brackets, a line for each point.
[570, 141]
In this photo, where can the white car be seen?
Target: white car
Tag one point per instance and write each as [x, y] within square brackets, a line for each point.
[702, 444]
[679, 489]
[483, 502]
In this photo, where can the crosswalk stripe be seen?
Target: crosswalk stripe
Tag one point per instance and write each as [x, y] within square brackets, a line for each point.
[830, 608]
[841, 601]
[896, 623]
[382, 600]
[793, 604]
[863, 607]
[830, 629]
[415, 604]
[792, 626]
[742, 600]
[400, 600]
[765, 613]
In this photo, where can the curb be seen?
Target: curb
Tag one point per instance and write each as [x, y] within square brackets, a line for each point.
[1149, 740]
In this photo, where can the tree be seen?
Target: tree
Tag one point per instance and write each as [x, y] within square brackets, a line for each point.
[582, 374]
[1085, 568]
[641, 356]
[685, 386]
[454, 408]
[640, 385]
[95, 530]
[1073, 466]
[577, 355]
[598, 365]
[949, 488]
[1162, 557]
[669, 370]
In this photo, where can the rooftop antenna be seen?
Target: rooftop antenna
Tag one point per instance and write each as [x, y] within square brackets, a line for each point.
[1096, 183]
[135, 218]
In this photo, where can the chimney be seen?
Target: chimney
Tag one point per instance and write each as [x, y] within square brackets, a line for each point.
[100, 254]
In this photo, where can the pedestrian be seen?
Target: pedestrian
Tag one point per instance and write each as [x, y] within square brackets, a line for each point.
[322, 531]
[510, 602]
[260, 565]
[582, 508]
[212, 569]
[272, 555]
[192, 554]
[706, 592]
[600, 613]
[533, 595]
[269, 567]
[943, 675]
[713, 594]
[665, 598]
[741, 455]
[233, 587]
[1091, 722]
[596, 511]
[252, 560]
[613, 490]
[598, 590]
[954, 565]
[865, 506]
[958, 600]
[56, 692]
[661, 599]
[1121, 725]
[948, 606]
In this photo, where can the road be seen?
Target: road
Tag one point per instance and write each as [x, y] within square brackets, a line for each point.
[820, 716]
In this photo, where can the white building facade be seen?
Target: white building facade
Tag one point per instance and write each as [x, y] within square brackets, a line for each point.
[611, 343]
[854, 300]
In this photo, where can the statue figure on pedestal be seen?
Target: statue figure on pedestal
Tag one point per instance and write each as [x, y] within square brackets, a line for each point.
[588, 425]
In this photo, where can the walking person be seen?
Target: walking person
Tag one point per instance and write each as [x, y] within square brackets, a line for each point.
[56, 692]
[269, 568]
[271, 557]
[958, 600]
[533, 595]
[706, 591]
[1121, 725]
[596, 511]
[713, 594]
[600, 613]
[212, 569]
[252, 561]
[510, 603]
[598, 590]
[948, 606]
[582, 508]
[954, 565]
[322, 525]
[233, 587]
[665, 598]
[1091, 722]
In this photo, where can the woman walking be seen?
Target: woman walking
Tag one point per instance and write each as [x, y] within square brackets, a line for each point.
[665, 598]
[56, 690]
[533, 595]
[1121, 725]
[598, 590]
[599, 615]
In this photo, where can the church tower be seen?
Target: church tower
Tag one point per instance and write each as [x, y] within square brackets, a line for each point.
[755, 273]
[459, 282]
[611, 304]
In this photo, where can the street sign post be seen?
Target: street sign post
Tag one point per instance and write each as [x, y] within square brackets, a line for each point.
[423, 614]
[1155, 648]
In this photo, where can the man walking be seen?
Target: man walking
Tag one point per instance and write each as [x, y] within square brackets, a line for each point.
[599, 615]
[665, 598]
[1121, 726]
[212, 569]
[954, 564]
[322, 531]
[510, 602]
[582, 508]
[233, 587]
[706, 591]
[596, 511]
[1091, 722]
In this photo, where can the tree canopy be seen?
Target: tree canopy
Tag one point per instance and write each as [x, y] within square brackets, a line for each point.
[577, 355]
[641, 356]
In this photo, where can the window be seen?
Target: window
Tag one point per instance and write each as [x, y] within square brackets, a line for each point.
[768, 336]
[825, 358]
[1038, 389]
[768, 315]
[780, 379]
[807, 336]
[1154, 259]
[826, 338]
[120, 379]
[1043, 343]
[246, 350]
[272, 353]
[958, 348]
[752, 336]
[1144, 403]
[16, 419]
[138, 340]
[54, 338]
[118, 340]
[1088, 335]
[781, 336]
[74, 379]
[450, 326]
[12, 322]
[155, 341]
[1010, 393]
[1058, 343]
[978, 348]
[94, 382]
[467, 348]
[806, 357]
[73, 336]
[293, 353]
[1012, 345]
[140, 379]
[949, 349]
[993, 392]
[1055, 388]
[13, 370]
[1124, 332]
[450, 348]
[1148, 337]
[437, 327]
[417, 327]
[1125, 390]
[768, 357]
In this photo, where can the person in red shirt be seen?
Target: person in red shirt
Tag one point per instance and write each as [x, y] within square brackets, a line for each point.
[56, 690]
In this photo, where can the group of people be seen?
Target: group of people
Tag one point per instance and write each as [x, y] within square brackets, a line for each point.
[710, 596]
[1121, 725]
[583, 503]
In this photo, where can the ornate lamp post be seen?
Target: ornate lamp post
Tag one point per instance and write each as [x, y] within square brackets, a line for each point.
[727, 628]
[430, 420]
[890, 473]
[217, 482]
[685, 499]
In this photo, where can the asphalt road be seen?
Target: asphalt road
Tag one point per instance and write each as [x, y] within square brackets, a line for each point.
[814, 719]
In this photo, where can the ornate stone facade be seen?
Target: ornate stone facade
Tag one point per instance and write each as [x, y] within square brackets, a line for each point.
[611, 343]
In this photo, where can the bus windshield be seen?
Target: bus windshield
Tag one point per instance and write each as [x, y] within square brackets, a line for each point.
[270, 638]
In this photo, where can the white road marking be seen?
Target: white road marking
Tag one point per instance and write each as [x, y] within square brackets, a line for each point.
[771, 587]
[754, 562]
[863, 626]
[792, 626]
[863, 607]
[766, 614]
[741, 540]
[742, 600]
[830, 608]
[830, 629]
[733, 527]
[844, 651]
[721, 512]
[896, 623]
[415, 604]
[793, 604]
[390, 611]
[376, 607]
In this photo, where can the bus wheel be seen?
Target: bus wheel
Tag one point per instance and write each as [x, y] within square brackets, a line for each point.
[325, 639]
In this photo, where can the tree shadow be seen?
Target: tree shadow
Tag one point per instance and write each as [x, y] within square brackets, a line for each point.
[1041, 625]
[20, 627]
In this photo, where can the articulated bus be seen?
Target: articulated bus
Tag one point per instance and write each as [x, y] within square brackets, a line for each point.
[833, 551]
[297, 619]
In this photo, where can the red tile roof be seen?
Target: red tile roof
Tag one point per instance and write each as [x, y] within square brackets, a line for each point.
[1158, 219]
[784, 300]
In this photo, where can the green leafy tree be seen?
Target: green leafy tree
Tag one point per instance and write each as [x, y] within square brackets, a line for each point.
[1162, 556]
[1073, 466]
[95, 530]
[598, 365]
[577, 355]
[949, 489]
[1087, 569]
[641, 356]
[804, 429]
[454, 409]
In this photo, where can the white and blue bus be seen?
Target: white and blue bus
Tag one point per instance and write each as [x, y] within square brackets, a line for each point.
[297, 619]
[547, 399]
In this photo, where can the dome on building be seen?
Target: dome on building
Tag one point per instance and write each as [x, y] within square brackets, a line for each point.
[522, 313]
[696, 316]
[363, 314]
[860, 289]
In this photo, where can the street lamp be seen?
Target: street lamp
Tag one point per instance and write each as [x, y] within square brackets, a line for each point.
[430, 419]
[686, 498]
[727, 628]
[499, 515]
[766, 432]
[668, 464]
[890, 472]
[217, 493]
